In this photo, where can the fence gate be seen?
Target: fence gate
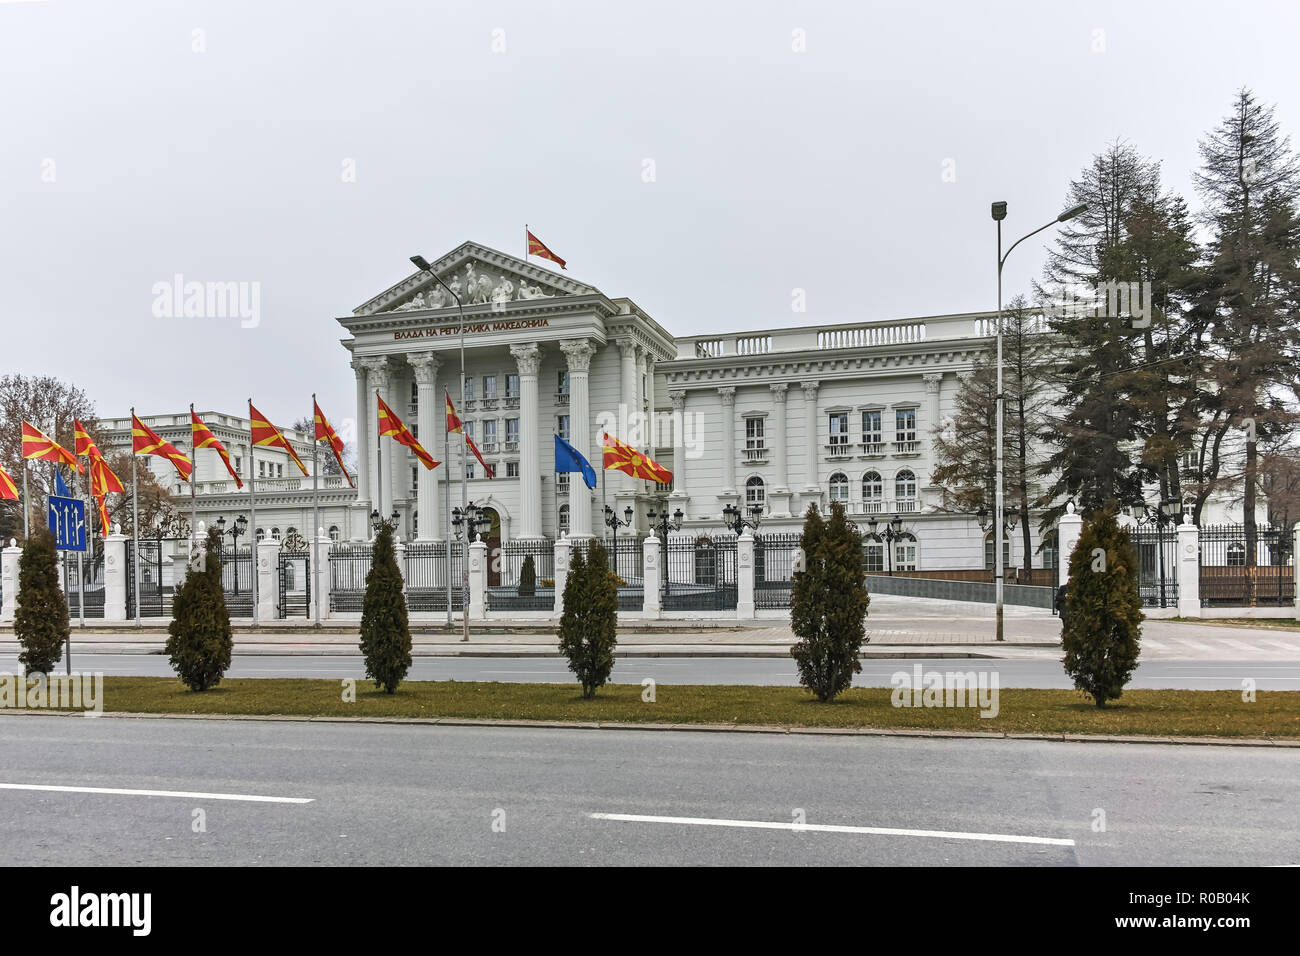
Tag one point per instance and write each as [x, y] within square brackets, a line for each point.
[700, 574]
[516, 590]
[426, 576]
[295, 577]
[1157, 553]
[1241, 570]
[155, 567]
[237, 571]
[774, 556]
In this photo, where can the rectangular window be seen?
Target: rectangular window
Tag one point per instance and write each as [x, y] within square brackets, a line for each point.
[490, 431]
[261, 469]
[512, 429]
[415, 476]
[469, 389]
[904, 556]
[469, 429]
[839, 428]
[415, 393]
[512, 386]
[239, 466]
[754, 433]
[871, 428]
[489, 386]
[562, 386]
[512, 469]
[905, 424]
[279, 471]
[873, 553]
[562, 426]
[469, 471]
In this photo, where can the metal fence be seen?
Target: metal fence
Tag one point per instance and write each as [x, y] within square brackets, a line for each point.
[700, 574]
[426, 576]
[1157, 553]
[237, 569]
[90, 590]
[626, 556]
[349, 564]
[295, 584]
[1241, 570]
[156, 559]
[508, 587]
[774, 559]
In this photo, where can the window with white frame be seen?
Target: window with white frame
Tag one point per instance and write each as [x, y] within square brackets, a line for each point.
[562, 426]
[275, 534]
[469, 471]
[512, 385]
[469, 428]
[415, 476]
[512, 469]
[562, 382]
[873, 489]
[988, 552]
[873, 555]
[512, 429]
[872, 433]
[564, 517]
[489, 386]
[754, 433]
[335, 534]
[755, 493]
[840, 487]
[839, 428]
[905, 485]
[469, 389]
[905, 424]
[905, 552]
[489, 431]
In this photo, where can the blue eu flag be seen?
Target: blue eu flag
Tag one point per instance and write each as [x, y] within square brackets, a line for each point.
[60, 489]
[568, 458]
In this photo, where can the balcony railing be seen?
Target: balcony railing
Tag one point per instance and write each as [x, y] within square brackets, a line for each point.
[907, 505]
[868, 506]
[561, 398]
[839, 450]
[872, 449]
[885, 506]
[487, 404]
[511, 446]
[754, 456]
[489, 447]
[907, 447]
[510, 401]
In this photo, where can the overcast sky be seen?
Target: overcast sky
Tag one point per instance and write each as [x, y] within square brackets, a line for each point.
[859, 169]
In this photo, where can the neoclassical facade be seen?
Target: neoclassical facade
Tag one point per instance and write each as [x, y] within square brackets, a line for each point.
[774, 419]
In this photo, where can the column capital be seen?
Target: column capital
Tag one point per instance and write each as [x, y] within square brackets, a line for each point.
[378, 370]
[779, 391]
[932, 380]
[627, 347]
[578, 352]
[810, 388]
[728, 393]
[528, 357]
[678, 397]
[426, 365]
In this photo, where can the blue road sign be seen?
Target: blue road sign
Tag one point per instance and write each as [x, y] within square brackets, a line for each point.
[68, 522]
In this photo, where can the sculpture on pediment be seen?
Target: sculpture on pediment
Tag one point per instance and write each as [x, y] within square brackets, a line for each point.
[503, 291]
[527, 291]
[437, 298]
[416, 303]
[454, 285]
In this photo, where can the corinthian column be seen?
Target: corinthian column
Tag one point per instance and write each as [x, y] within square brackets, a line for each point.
[678, 398]
[810, 435]
[579, 353]
[529, 359]
[627, 356]
[778, 437]
[728, 394]
[363, 446]
[377, 384]
[426, 366]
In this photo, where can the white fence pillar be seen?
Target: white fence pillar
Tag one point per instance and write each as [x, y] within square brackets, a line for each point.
[9, 580]
[478, 579]
[320, 573]
[745, 576]
[1068, 530]
[650, 573]
[1295, 567]
[115, 575]
[563, 549]
[1189, 569]
[399, 553]
[268, 579]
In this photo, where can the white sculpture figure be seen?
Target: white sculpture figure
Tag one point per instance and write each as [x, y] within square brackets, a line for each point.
[455, 287]
[502, 293]
[437, 298]
[482, 290]
[527, 291]
[416, 303]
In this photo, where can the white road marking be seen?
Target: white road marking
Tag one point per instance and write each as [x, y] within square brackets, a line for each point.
[245, 797]
[828, 828]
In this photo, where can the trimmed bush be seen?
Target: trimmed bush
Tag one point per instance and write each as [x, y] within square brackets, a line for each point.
[385, 626]
[589, 625]
[199, 642]
[41, 622]
[527, 578]
[1103, 610]
[828, 604]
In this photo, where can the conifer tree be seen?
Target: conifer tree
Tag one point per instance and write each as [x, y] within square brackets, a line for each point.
[588, 629]
[1103, 619]
[828, 604]
[199, 644]
[41, 622]
[385, 626]
[527, 577]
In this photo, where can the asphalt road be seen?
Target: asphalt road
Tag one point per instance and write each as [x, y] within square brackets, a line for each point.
[393, 794]
[1184, 675]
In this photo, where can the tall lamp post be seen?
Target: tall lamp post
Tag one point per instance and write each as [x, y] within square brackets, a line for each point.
[893, 531]
[999, 212]
[734, 518]
[663, 522]
[422, 264]
[613, 522]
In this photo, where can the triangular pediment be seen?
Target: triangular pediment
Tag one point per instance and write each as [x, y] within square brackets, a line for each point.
[480, 276]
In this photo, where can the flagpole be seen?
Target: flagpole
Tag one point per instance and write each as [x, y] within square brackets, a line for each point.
[252, 507]
[27, 507]
[446, 456]
[135, 525]
[194, 501]
[379, 466]
[315, 495]
[81, 573]
[603, 518]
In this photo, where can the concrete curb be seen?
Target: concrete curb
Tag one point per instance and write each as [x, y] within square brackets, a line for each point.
[1293, 744]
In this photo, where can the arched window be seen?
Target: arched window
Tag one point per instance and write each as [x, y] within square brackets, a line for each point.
[261, 534]
[840, 487]
[905, 485]
[988, 552]
[873, 554]
[1236, 555]
[873, 492]
[275, 534]
[335, 534]
[564, 517]
[1051, 550]
[755, 493]
[905, 552]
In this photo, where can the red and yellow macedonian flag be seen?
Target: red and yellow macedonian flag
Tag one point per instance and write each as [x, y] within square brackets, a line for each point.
[203, 438]
[625, 458]
[146, 441]
[453, 420]
[36, 444]
[538, 248]
[325, 432]
[391, 426]
[103, 515]
[8, 491]
[268, 436]
[102, 479]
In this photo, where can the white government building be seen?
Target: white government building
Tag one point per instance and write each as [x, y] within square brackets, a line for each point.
[776, 419]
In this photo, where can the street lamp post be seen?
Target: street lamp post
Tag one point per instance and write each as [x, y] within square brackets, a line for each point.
[422, 264]
[1166, 512]
[999, 212]
[893, 532]
[663, 522]
[613, 522]
[734, 518]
